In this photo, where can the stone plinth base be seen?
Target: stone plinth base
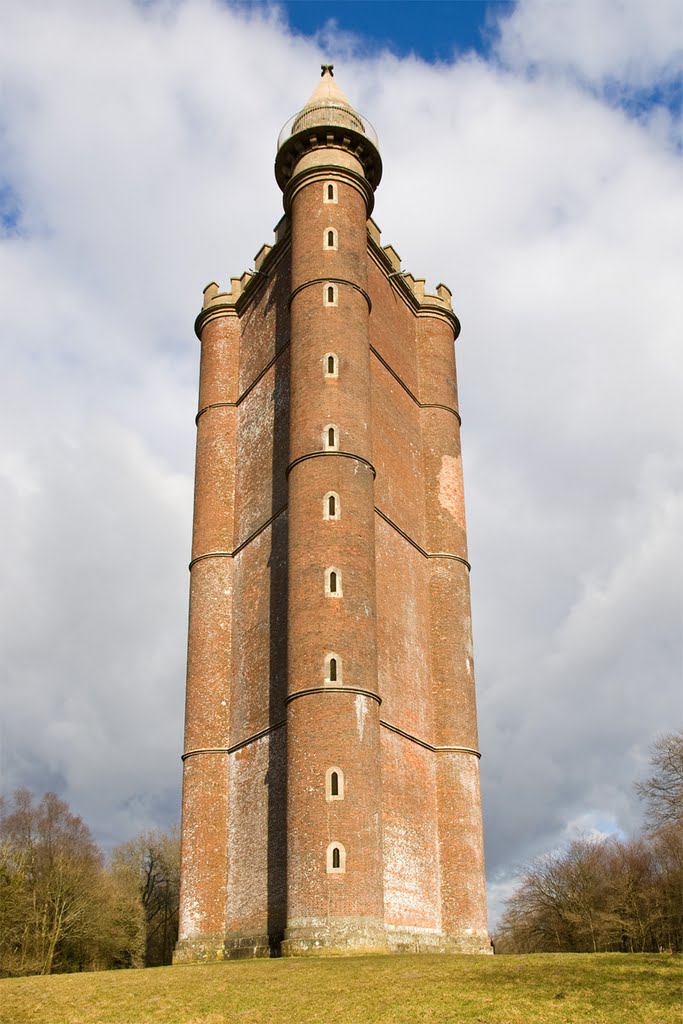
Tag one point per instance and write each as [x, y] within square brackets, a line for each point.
[352, 936]
[200, 948]
[417, 940]
[335, 936]
[248, 947]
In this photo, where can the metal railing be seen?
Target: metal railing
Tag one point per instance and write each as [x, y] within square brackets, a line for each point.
[334, 115]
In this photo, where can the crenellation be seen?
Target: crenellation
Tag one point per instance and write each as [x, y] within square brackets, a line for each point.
[261, 255]
[444, 293]
[281, 228]
[245, 279]
[374, 231]
[210, 293]
[392, 256]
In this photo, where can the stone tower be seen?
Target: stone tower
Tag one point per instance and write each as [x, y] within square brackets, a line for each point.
[331, 771]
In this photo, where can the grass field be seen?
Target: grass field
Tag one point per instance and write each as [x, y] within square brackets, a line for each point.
[602, 988]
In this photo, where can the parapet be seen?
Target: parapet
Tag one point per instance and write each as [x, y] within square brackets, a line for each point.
[240, 287]
[410, 287]
[390, 261]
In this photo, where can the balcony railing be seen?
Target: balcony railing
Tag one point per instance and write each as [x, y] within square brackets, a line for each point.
[324, 115]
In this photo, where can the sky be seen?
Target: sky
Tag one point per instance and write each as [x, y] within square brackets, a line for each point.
[533, 162]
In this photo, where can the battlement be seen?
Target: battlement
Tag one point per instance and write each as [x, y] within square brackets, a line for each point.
[391, 261]
[388, 258]
[213, 296]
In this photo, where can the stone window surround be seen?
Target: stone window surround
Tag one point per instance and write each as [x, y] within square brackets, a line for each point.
[330, 859]
[327, 446]
[338, 581]
[327, 515]
[326, 369]
[327, 675]
[328, 784]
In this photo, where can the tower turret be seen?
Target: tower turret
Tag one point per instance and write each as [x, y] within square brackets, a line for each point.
[335, 864]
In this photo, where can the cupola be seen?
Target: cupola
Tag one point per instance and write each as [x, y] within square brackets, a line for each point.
[327, 121]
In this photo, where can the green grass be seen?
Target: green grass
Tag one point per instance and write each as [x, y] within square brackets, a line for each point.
[602, 988]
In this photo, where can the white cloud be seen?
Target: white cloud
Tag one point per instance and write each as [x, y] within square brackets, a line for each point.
[139, 141]
[635, 44]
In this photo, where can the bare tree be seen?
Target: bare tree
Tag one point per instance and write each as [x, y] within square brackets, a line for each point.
[560, 904]
[609, 893]
[152, 861]
[663, 790]
[59, 909]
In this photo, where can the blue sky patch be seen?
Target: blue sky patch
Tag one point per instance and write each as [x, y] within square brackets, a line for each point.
[435, 30]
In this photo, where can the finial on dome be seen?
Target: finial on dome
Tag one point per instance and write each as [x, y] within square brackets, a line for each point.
[327, 69]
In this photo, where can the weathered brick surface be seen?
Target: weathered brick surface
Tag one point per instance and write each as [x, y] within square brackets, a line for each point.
[265, 323]
[257, 852]
[402, 628]
[463, 887]
[397, 445]
[392, 323]
[264, 721]
[411, 838]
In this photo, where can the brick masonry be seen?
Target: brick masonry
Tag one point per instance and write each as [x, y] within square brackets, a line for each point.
[264, 721]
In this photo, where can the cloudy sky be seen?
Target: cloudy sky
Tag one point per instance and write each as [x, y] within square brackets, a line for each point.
[532, 158]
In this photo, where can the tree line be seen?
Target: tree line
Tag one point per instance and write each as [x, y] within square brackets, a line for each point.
[63, 908]
[606, 893]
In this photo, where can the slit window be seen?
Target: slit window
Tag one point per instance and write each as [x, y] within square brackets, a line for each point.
[330, 192]
[336, 858]
[330, 238]
[330, 365]
[331, 506]
[331, 438]
[333, 669]
[329, 295]
[333, 585]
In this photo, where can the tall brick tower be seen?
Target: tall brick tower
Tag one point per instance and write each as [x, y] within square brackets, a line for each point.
[331, 771]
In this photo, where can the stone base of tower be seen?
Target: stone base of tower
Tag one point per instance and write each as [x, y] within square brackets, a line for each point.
[351, 936]
[252, 946]
[423, 940]
[245, 946]
[355, 936]
[201, 948]
[335, 936]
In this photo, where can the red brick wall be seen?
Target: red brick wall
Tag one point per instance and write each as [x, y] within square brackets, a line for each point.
[410, 824]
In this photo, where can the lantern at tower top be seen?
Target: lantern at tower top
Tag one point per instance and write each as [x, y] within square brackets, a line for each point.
[327, 121]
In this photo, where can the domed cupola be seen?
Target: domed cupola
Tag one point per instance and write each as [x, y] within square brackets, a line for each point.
[327, 121]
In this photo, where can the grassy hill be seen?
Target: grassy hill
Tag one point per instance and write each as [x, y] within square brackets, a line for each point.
[603, 988]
